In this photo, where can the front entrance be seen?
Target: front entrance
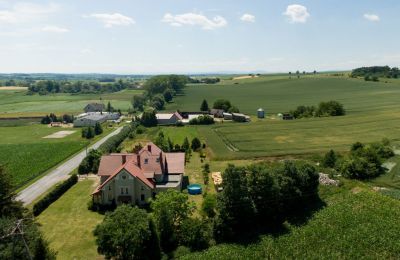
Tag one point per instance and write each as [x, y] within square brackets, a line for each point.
[125, 199]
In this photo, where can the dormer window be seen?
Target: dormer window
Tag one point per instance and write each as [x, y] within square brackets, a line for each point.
[146, 161]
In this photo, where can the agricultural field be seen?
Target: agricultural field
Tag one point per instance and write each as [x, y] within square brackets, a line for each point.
[356, 224]
[68, 224]
[26, 154]
[372, 113]
[15, 103]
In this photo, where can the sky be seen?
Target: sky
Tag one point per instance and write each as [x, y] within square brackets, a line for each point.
[203, 36]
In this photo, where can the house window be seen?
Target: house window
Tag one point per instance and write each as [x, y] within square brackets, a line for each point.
[158, 160]
[123, 177]
[146, 161]
[122, 191]
[142, 187]
[142, 197]
[109, 187]
[126, 190]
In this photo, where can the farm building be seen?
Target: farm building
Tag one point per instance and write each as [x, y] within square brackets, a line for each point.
[135, 178]
[94, 107]
[168, 118]
[237, 117]
[287, 116]
[227, 116]
[260, 113]
[90, 119]
[218, 113]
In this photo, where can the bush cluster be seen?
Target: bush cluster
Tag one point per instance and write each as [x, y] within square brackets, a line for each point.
[225, 105]
[59, 190]
[263, 194]
[90, 163]
[47, 119]
[202, 120]
[330, 108]
[90, 132]
[365, 161]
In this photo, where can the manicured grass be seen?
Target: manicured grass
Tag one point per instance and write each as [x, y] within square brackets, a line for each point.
[360, 225]
[372, 113]
[68, 224]
[17, 103]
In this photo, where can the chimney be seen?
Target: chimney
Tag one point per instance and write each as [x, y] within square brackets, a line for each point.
[138, 160]
[123, 158]
[149, 148]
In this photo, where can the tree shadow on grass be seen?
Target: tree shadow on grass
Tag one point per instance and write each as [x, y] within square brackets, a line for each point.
[299, 216]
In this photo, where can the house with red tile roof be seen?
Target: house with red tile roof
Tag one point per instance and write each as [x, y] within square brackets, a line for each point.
[136, 177]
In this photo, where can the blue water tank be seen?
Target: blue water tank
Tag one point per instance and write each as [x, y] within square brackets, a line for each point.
[194, 189]
[260, 113]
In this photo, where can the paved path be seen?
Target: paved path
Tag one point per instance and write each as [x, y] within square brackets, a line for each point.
[58, 174]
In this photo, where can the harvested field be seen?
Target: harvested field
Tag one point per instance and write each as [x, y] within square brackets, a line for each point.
[13, 88]
[59, 134]
[245, 77]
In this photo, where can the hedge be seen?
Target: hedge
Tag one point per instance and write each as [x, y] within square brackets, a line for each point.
[60, 189]
[113, 142]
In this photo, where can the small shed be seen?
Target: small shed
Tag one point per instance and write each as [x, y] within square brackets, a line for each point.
[227, 116]
[260, 113]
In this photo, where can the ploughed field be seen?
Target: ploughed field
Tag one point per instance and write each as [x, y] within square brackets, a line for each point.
[373, 112]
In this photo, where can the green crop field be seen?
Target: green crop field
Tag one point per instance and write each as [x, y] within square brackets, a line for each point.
[25, 154]
[17, 103]
[373, 112]
[356, 224]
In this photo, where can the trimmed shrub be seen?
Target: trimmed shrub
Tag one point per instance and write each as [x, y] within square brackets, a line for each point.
[60, 189]
[202, 120]
[111, 145]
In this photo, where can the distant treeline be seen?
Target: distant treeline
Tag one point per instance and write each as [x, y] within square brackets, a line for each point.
[376, 71]
[204, 80]
[45, 87]
[31, 77]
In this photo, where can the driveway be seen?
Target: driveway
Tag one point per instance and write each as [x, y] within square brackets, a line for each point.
[29, 194]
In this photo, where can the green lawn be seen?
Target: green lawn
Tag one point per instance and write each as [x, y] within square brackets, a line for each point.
[68, 224]
[372, 113]
[17, 103]
[362, 225]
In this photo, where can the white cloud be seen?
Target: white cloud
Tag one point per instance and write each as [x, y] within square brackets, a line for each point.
[54, 29]
[195, 20]
[26, 12]
[297, 13]
[115, 19]
[248, 18]
[372, 17]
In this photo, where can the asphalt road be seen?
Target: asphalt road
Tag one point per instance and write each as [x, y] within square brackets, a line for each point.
[29, 194]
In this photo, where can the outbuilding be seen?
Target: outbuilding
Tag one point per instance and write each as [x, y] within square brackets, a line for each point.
[90, 119]
[260, 113]
[237, 117]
